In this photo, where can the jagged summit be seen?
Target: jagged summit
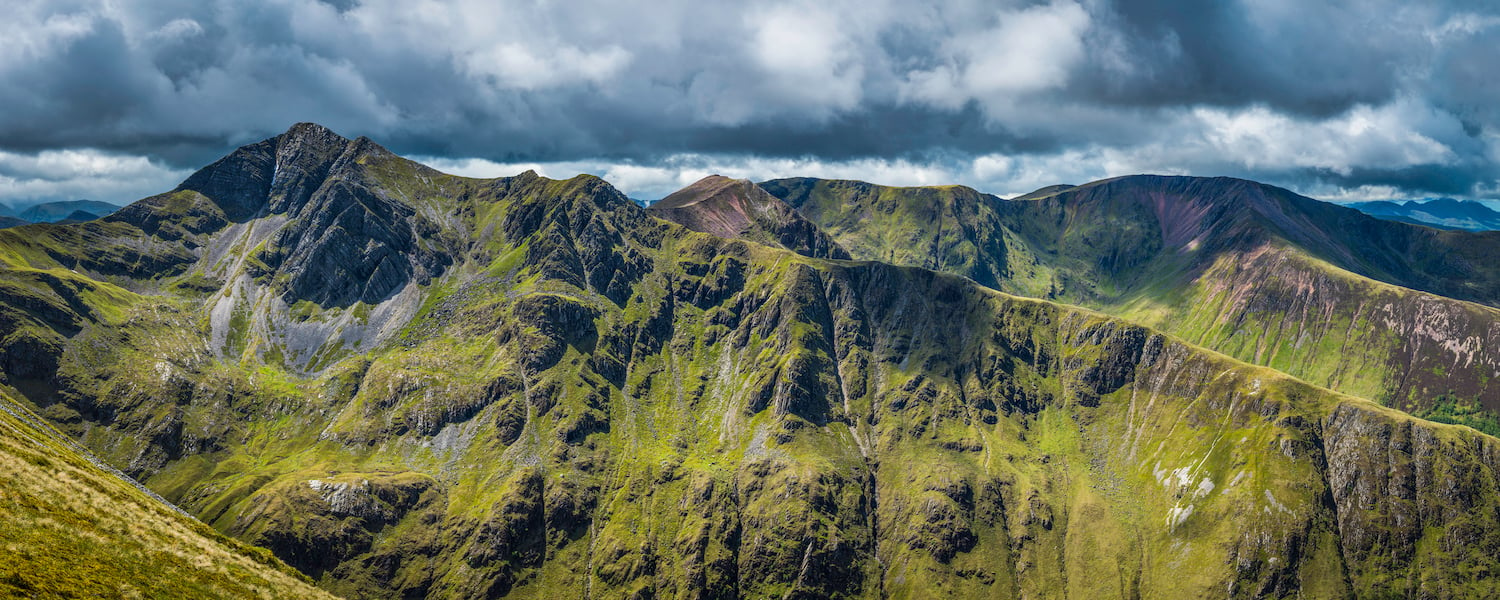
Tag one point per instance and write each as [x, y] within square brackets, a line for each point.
[309, 128]
[321, 229]
[241, 186]
[415, 385]
[338, 227]
[733, 208]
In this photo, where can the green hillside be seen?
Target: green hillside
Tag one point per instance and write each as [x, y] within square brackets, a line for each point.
[71, 528]
[1384, 310]
[407, 384]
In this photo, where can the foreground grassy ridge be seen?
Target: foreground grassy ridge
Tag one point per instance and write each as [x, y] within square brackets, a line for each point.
[1268, 277]
[584, 401]
[70, 529]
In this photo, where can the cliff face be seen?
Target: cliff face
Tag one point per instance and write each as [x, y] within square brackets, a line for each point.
[1393, 494]
[571, 398]
[304, 213]
[1389, 311]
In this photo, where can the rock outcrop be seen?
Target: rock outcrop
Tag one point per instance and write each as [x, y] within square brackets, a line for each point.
[571, 398]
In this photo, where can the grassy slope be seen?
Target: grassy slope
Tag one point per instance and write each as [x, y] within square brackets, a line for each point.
[1301, 315]
[593, 403]
[946, 228]
[71, 529]
[1241, 268]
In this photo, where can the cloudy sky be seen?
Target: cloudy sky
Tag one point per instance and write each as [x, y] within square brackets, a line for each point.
[117, 99]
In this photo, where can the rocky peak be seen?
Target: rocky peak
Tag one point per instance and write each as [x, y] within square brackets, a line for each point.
[346, 238]
[308, 130]
[273, 175]
[304, 156]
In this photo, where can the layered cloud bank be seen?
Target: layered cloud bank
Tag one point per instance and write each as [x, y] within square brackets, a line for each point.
[1343, 99]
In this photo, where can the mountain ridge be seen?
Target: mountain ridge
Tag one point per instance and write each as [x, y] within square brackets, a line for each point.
[572, 397]
[1251, 270]
[47, 212]
[1441, 213]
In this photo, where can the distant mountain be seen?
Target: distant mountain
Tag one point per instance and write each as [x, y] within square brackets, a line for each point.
[737, 208]
[1443, 213]
[79, 216]
[50, 212]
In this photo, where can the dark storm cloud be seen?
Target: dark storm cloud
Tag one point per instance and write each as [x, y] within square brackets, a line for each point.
[1309, 58]
[1375, 95]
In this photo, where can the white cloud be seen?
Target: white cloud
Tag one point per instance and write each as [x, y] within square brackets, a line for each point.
[177, 29]
[1065, 90]
[1208, 142]
[1462, 25]
[515, 65]
[81, 174]
[477, 167]
[28, 32]
[806, 56]
[1027, 51]
[1343, 194]
[1382, 137]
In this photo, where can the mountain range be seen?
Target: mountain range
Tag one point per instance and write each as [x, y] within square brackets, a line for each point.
[1443, 213]
[408, 384]
[52, 212]
[1383, 310]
